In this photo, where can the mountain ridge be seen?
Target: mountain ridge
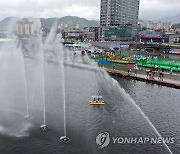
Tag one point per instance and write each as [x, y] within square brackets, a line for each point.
[174, 20]
[48, 22]
[10, 22]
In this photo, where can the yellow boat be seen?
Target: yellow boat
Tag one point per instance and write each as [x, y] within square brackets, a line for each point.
[97, 100]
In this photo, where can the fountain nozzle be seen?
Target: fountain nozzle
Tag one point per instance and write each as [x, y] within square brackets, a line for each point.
[65, 139]
[44, 127]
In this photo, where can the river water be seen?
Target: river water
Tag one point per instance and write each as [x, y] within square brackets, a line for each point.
[119, 117]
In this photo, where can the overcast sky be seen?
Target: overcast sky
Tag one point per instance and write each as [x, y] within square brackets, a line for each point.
[90, 9]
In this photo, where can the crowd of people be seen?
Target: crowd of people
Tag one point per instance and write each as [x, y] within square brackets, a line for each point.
[149, 73]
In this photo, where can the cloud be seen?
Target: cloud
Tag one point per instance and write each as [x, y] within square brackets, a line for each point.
[149, 9]
[50, 8]
[155, 9]
[85, 11]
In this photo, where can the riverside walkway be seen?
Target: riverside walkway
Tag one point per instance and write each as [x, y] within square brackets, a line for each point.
[138, 77]
[141, 77]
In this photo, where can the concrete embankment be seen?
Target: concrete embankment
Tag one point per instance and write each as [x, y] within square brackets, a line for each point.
[139, 77]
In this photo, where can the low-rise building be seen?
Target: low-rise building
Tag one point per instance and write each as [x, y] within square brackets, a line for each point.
[152, 36]
[73, 34]
[174, 38]
[159, 25]
[116, 33]
[92, 33]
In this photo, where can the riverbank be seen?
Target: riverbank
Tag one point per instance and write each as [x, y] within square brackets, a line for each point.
[139, 77]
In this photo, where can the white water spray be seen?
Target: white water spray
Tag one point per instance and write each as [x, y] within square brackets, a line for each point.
[43, 80]
[25, 85]
[64, 94]
[126, 96]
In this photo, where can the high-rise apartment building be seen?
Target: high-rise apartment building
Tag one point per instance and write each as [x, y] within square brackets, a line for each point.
[25, 27]
[119, 12]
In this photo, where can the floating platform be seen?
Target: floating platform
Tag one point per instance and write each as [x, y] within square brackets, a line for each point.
[96, 102]
[65, 139]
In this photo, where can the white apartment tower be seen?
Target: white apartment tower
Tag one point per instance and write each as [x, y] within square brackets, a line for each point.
[25, 27]
[119, 12]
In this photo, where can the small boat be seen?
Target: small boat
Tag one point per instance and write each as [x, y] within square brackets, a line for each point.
[96, 100]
